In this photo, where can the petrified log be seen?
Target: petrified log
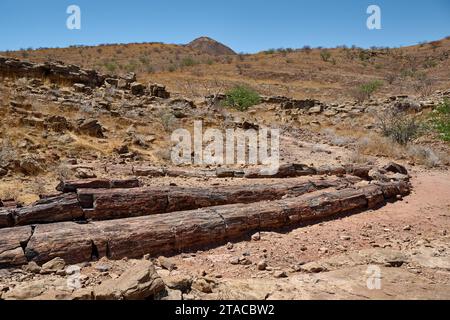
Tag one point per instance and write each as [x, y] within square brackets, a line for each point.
[298, 170]
[105, 204]
[178, 231]
[5, 218]
[12, 242]
[74, 185]
[123, 203]
[284, 171]
[54, 209]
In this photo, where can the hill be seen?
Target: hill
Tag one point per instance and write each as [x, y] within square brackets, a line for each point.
[199, 68]
[210, 46]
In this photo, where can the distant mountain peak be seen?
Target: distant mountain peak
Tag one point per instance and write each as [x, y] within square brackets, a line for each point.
[210, 46]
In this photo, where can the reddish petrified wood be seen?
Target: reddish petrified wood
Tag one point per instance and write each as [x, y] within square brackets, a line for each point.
[74, 185]
[59, 208]
[183, 230]
[123, 203]
[12, 242]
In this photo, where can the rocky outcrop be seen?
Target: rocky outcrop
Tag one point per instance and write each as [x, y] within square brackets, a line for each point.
[91, 127]
[50, 70]
[82, 79]
[158, 90]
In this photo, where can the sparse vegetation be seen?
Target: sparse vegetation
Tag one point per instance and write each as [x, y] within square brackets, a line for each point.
[366, 90]
[188, 62]
[400, 127]
[242, 98]
[441, 120]
[325, 55]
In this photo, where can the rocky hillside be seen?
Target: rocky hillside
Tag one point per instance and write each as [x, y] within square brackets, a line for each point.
[210, 46]
[319, 73]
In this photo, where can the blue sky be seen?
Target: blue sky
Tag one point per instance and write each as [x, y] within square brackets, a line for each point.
[244, 25]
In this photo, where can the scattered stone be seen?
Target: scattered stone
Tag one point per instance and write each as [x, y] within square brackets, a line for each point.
[313, 267]
[92, 128]
[157, 90]
[262, 265]
[166, 263]
[244, 261]
[53, 266]
[139, 282]
[84, 173]
[202, 285]
[31, 267]
[102, 267]
[395, 168]
[30, 166]
[137, 88]
[179, 282]
[280, 274]
[256, 236]
[172, 295]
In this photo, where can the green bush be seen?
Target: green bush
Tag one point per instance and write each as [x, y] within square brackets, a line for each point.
[440, 120]
[188, 62]
[242, 98]
[370, 87]
[111, 66]
[325, 55]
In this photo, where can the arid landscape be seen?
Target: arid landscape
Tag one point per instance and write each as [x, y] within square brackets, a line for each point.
[92, 206]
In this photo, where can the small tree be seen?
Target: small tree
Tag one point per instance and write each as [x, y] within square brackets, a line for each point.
[325, 55]
[242, 98]
[366, 90]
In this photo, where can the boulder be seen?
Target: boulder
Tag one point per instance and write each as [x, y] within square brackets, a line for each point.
[139, 282]
[395, 168]
[137, 88]
[30, 166]
[52, 266]
[157, 90]
[92, 128]
[58, 123]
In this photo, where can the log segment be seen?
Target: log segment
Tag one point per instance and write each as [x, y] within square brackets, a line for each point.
[184, 230]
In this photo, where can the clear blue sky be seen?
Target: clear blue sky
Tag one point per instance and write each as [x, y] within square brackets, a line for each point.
[244, 25]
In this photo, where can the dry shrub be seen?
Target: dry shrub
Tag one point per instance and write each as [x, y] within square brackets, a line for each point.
[9, 192]
[358, 157]
[399, 126]
[63, 172]
[425, 156]
[379, 146]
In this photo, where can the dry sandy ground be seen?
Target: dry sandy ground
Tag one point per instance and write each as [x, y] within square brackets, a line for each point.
[413, 231]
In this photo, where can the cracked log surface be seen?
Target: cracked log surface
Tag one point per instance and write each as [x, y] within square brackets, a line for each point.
[182, 230]
[74, 185]
[105, 204]
[12, 242]
[124, 203]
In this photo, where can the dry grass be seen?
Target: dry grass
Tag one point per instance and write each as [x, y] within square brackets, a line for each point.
[298, 73]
